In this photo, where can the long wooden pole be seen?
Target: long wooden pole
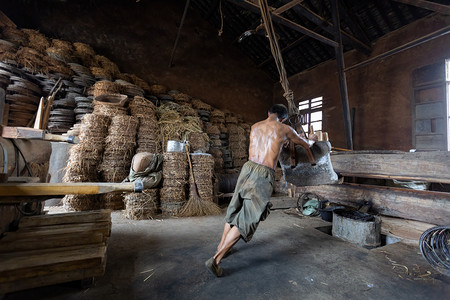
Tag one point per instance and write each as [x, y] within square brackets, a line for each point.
[56, 189]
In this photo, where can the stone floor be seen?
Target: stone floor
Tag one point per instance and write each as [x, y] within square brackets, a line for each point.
[288, 258]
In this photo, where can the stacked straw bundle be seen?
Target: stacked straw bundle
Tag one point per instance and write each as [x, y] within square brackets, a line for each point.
[7, 50]
[119, 148]
[139, 82]
[107, 65]
[147, 134]
[14, 35]
[181, 98]
[218, 119]
[238, 144]
[142, 206]
[199, 142]
[280, 184]
[175, 175]
[112, 201]
[214, 137]
[85, 53]
[60, 50]
[203, 171]
[31, 59]
[36, 40]
[158, 89]
[84, 159]
[105, 87]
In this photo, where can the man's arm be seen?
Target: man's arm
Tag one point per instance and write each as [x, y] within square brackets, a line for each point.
[294, 137]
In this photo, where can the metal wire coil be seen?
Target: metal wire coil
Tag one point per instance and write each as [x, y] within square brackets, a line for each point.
[434, 245]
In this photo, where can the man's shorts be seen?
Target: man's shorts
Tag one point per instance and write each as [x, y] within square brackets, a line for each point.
[249, 204]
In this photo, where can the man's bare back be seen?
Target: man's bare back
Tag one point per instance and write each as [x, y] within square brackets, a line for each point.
[268, 136]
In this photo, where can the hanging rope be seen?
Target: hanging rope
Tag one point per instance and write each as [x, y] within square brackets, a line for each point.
[221, 19]
[276, 52]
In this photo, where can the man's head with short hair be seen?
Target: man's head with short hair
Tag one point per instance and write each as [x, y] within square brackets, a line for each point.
[280, 110]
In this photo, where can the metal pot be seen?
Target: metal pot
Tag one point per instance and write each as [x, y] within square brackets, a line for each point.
[176, 146]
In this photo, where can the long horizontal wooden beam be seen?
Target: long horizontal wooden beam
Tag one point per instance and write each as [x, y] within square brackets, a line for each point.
[286, 22]
[423, 206]
[422, 166]
[440, 8]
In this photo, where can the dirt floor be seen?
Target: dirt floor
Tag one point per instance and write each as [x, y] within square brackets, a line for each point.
[288, 258]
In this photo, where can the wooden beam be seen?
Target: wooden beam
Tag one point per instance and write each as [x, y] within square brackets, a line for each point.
[440, 8]
[287, 6]
[328, 27]
[339, 50]
[422, 206]
[407, 230]
[286, 22]
[404, 47]
[423, 166]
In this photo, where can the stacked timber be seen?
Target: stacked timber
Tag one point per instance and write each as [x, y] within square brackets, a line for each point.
[405, 212]
[53, 249]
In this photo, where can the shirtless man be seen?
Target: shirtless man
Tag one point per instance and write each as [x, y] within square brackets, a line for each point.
[250, 203]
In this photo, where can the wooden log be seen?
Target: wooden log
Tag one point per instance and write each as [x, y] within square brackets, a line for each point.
[423, 166]
[423, 206]
[66, 218]
[408, 231]
[53, 241]
[22, 133]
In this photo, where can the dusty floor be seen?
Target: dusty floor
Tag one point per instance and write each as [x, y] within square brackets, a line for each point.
[288, 258]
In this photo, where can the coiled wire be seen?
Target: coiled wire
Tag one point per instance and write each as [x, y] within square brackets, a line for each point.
[435, 245]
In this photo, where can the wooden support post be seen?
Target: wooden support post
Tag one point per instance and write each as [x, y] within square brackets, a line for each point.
[341, 74]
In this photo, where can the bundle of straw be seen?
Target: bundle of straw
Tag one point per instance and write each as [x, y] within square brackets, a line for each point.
[201, 187]
[14, 35]
[36, 40]
[139, 82]
[200, 105]
[105, 87]
[142, 206]
[158, 89]
[238, 144]
[109, 66]
[198, 141]
[113, 201]
[81, 202]
[119, 148]
[175, 174]
[101, 73]
[85, 53]
[147, 134]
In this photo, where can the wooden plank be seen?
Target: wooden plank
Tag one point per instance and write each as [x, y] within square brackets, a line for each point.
[50, 279]
[286, 7]
[53, 241]
[66, 218]
[45, 257]
[104, 228]
[423, 206]
[407, 230]
[22, 133]
[55, 189]
[424, 166]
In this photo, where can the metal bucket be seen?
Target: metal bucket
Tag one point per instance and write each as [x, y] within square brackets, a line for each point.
[176, 146]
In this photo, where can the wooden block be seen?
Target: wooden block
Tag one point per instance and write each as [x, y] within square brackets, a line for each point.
[66, 218]
[69, 229]
[53, 241]
[424, 206]
[403, 228]
[59, 277]
[22, 133]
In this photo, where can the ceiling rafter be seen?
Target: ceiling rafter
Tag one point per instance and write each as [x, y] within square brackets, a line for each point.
[433, 6]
